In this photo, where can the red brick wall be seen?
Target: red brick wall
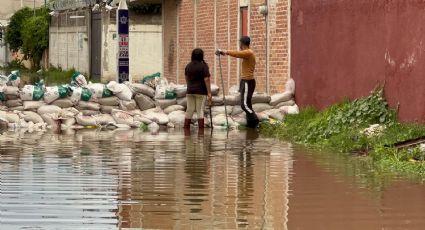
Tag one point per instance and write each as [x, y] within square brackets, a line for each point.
[226, 34]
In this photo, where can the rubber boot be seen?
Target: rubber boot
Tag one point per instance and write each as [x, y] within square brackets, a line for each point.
[201, 124]
[187, 123]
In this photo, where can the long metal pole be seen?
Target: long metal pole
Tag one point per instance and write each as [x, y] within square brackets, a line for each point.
[224, 93]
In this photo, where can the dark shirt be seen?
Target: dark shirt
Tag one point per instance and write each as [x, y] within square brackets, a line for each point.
[195, 73]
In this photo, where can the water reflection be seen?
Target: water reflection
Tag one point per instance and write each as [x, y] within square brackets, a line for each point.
[89, 179]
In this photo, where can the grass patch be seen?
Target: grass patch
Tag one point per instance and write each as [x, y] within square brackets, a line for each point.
[341, 128]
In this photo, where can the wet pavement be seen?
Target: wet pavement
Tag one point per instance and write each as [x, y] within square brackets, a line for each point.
[128, 179]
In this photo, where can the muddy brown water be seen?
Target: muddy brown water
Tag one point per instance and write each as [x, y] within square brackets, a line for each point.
[125, 179]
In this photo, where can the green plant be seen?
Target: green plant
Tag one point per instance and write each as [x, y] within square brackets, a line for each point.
[145, 8]
[13, 33]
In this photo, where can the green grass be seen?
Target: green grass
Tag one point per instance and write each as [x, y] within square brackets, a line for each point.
[339, 127]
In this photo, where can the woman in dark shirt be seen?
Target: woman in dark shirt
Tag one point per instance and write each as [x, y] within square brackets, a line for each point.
[198, 88]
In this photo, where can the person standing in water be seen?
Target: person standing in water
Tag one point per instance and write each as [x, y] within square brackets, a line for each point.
[198, 88]
[247, 83]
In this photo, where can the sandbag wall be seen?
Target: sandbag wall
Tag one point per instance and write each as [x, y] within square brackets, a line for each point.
[127, 105]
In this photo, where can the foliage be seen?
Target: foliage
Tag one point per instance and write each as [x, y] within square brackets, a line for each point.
[339, 127]
[145, 8]
[28, 31]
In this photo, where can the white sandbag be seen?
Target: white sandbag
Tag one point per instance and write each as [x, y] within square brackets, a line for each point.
[281, 97]
[122, 117]
[262, 116]
[285, 103]
[290, 86]
[144, 102]
[104, 119]
[85, 120]
[17, 108]
[220, 120]
[78, 79]
[11, 90]
[157, 116]
[33, 105]
[275, 114]
[214, 89]
[55, 92]
[142, 118]
[31, 116]
[51, 120]
[260, 98]
[68, 113]
[63, 103]
[12, 97]
[68, 123]
[135, 112]
[120, 90]
[49, 109]
[180, 91]
[237, 110]
[128, 105]
[97, 90]
[138, 88]
[177, 118]
[234, 99]
[108, 109]
[10, 117]
[109, 101]
[32, 92]
[240, 119]
[182, 102]
[289, 109]
[217, 101]
[88, 105]
[233, 90]
[173, 108]
[153, 127]
[164, 103]
[87, 112]
[260, 107]
[14, 103]
[221, 110]
[80, 94]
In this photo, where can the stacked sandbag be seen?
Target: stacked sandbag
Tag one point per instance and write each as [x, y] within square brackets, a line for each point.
[88, 108]
[108, 104]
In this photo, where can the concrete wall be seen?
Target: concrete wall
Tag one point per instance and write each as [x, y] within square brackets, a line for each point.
[9, 7]
[146, 52]
[69, 43]
[212, 24]
[344, 48]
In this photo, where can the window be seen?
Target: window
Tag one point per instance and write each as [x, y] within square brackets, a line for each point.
[244, 21]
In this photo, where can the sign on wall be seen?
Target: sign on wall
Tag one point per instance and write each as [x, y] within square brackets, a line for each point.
[123, 42]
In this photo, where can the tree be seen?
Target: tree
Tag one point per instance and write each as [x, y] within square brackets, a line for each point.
[13, 33]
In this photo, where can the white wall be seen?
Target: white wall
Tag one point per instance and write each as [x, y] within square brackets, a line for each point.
[69, 48]
[146, 55]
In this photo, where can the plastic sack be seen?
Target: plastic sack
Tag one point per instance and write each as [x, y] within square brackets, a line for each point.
[31, 116]
[104, 119]
[33, 105]
[180, 91]
[157, 116]
[144, 102]
[107, 109]
[86, 120]
[275, 114]
[14, 103]
[63, 103]
[2, 96]
[290, 86]
[163, 91]
[128, 105]
[165, 103]
[55, 92]
[120, 90]
[14, 78]
[109, 101]
[80, 94]
[260, 107]
[182, 102]
[87, 112]
[33, 92]
[234, 99]
[214, 89]
[122, 117]
[78, 80]
[88, 105]
[260, 98]
[177, 118]
[49, 109]
[285, 103]
[10, 117]
[151, 80]
[173, 108]
[281, 97]
[141, 88]
[99, 90]
[289, 109]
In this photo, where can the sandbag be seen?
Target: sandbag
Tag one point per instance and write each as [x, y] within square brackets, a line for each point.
[164, 91]
[285, 103]
[164, 103]
[17, 108]
[32, 92]
[177, 118]
[240, 119]
[68, 113]
[49, 109]
[122, 117]
[237, 110]
[151, 80]
[180, 91]
[109, 101]
[55, 92]
[214, 90]
[260, 98]
[157, 116]
[14, 78]
[78, 80]
[63, 103]
[85, 120]
[68, 123]
[289, 109]
[51, 120]
[234, 99]
[128, 105]
[80, 94]
[98, 91]
[104, 119]
[84, 105]
[144, 102]
[11, 97]
[290, 86]
[11, 90]
[142, 118]
[137, 88]
[107, 109]
[173, 108]
[120, 90]
[87, 112]
[10, 117]
[182, 102]
[281, 97]
[221, 110]
[260, 107]
[33, 105]
[275, 114]
[262, 116]
[217, 101]
[220, 120]
[14, 103]
[31, 116]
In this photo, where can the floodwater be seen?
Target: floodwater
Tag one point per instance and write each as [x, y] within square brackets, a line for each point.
[128, 179]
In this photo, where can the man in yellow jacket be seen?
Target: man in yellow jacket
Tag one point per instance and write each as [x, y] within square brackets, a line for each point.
[247, 83]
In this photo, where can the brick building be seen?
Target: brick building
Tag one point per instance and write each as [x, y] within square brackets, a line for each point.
[211, 24]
